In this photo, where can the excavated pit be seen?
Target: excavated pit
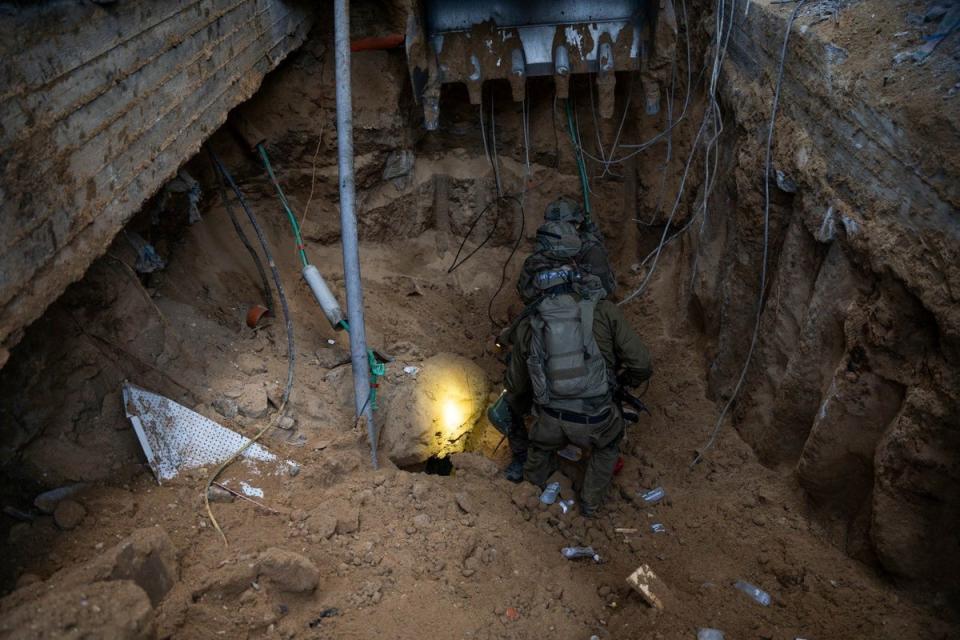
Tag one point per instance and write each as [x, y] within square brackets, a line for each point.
[833, 483]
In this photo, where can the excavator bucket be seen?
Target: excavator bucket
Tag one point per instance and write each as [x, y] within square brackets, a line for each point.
[472, 41]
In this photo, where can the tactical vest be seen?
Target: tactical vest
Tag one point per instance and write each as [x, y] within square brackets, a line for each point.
[567, 369]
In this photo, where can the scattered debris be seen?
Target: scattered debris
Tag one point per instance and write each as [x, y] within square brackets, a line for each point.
[254, 314]
[219, 493]
[550, 493]
[785, 183]
[326, 613]
[175, 438]
[949, 24]
[148, 260]
[709, 634]
[248, 490]
[658, 527]
[654, 495]
[399, 164]
[650, 587]
[47, 501]
[512, 614]
[756, 593]
[573, 553]
[411, 370]
[624, 530]
[566, 505]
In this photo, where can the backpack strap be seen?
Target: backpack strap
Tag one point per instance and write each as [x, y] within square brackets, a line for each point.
[587, 308]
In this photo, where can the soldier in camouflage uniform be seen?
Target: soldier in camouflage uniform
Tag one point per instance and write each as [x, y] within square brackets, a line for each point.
[591, 258]
[569, 355]
[588, 256]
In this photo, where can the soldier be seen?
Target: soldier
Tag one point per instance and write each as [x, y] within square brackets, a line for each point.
[569, 356]
[587, 253]
[590, 258]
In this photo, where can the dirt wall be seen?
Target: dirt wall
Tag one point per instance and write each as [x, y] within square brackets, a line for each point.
[853, 385]
[100, 103]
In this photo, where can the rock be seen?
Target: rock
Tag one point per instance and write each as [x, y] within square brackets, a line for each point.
[421, 521]
[117, 609]
[322, 523]
[286, 422]
[251, 364]
[522, 492]
[348, 520]
[69, 514]
[216, 494]
[465, 503]
[420, 489]
[59, 461]
[430, 413]
[289, 571]
[228, 581]
[475, 463]
[253, 402]
[332, 356]
[146, 557]
[227, 407]
[48, 500]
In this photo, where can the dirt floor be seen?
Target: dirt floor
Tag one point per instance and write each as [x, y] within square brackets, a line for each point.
[338, 550]
[404, 555]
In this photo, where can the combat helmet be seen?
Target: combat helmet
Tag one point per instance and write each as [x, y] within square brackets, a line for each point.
[563, 210]
[558, 240]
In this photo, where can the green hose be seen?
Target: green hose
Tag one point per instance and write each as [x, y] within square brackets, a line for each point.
[377, 368]
[286, 205]
[581, 167]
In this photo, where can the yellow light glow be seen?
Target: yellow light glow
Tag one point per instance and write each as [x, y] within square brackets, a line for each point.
[453, 414]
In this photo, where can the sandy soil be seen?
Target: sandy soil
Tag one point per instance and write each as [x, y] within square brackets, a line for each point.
[468, 555]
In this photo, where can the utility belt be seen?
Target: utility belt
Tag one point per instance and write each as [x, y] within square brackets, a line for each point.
[578, 418]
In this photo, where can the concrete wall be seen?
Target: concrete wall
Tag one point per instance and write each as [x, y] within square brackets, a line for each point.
[99, 106]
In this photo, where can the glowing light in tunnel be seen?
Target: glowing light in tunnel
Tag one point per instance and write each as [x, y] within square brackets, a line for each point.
[452, 414]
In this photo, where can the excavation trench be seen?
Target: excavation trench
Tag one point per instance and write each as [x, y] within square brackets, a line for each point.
[830, 483]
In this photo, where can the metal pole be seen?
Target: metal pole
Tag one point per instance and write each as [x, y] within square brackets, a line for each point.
[348, 223]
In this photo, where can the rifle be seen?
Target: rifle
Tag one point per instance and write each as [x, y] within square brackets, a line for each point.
[624, 397]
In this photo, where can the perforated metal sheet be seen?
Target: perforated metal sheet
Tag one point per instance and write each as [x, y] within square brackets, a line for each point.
[175, 438]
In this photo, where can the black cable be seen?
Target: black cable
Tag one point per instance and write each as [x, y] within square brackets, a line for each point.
[503, 271]
[267, 291]
[456, 265]
[291, 352]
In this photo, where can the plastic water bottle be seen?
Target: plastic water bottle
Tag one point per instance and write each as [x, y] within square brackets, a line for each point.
[549, 495]
[709, 634]
[572, 553]
[759, 595]
[654, 495]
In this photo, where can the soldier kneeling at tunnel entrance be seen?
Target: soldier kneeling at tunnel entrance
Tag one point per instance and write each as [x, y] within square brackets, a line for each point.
[569, 357]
